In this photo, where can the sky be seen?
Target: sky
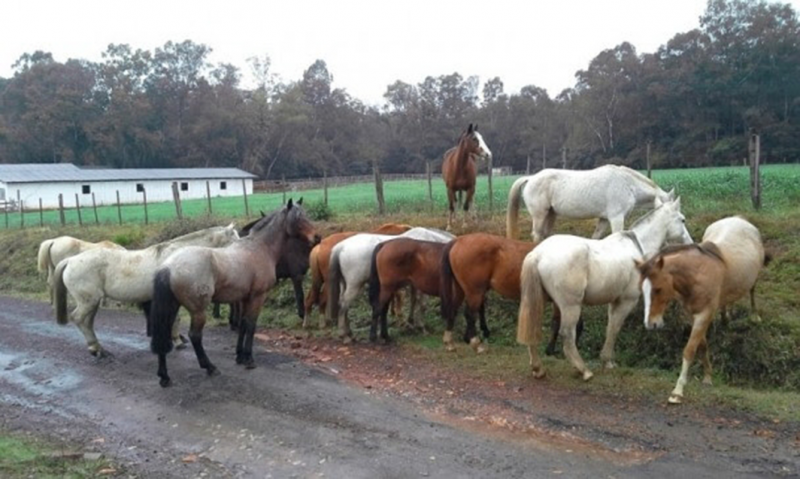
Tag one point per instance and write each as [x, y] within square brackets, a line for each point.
[367, 45]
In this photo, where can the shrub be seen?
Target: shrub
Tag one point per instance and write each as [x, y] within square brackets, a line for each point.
[319, 211]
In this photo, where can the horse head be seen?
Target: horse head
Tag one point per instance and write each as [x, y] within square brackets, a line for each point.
[662, 197]
[676, 228]
[472, 140]
[297, 223]
[657, 288]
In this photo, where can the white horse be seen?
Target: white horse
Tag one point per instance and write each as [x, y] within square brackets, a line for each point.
[350, 264]
[53, 251]
[120, 275]
[607, 192]
[573, 271]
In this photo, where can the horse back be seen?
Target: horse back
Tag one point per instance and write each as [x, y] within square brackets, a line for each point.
[482, 261]
[739, 243]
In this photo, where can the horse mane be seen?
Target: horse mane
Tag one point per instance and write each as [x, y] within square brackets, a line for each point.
[638, 176]
[706, 248]
[160, 247]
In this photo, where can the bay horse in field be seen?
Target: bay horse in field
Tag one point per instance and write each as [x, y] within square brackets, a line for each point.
[471, 266]
[319, 260]
[398, 263]
[459, 170]
[245, 271]
[704, 277]
[573, 271]
[608, 192]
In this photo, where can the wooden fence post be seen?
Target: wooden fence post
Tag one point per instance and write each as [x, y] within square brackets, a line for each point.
[544, 155]
[755, 177]
[208, 195]
[41, 213]
[144, 198]
[94, 208]
[491, 191]
[429, 175]
[283, 187]
[78, 209]
[649, 166]
[61, 209]
[176, 196]
[325, 187]
[528, 165]
[21, 210]
[564, 157]
[5, 210]
[246, 206]
[379, 189]
[119, 208]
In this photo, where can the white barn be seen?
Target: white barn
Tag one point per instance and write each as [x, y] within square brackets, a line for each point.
[30, 182]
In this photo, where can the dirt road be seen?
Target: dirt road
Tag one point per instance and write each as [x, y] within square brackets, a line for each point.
[311, 409]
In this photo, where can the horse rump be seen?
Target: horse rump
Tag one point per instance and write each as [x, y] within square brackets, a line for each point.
[163, 311]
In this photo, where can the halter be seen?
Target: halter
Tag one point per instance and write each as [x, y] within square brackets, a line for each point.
[632, 236]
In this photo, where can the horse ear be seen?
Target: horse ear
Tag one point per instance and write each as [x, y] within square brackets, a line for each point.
[660, 263]
[476, 127]
[231, 226]
[638, 264]
[677, 203]
[671, 194]
[262, 213]
[289, 204]
[469, 128]
[300, 201]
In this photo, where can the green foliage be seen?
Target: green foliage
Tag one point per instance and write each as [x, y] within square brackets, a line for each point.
[24, 458]
[129, 238]
[319, 211]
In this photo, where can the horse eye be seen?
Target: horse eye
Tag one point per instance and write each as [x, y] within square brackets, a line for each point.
[657, 291]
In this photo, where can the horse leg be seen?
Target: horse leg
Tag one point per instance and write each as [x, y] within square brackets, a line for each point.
[162, 371]
[384, 323]
[379, 310]
[297, 282]
[617, 223]
[410, 322]
[753, 311]
[312, 298]
[555, 327]
[468, 203]
[350, 294]
[699, 327]
[451, 199]
[617, 312]
[196, 336]
[450, 319]
[250, 310]
[83, 317]
[706, 358]
[600, 229]
[569, 319]
[178, 341]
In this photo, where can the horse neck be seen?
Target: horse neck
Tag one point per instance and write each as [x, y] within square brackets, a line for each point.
[273, 236]
[651, 235]
[462, 154]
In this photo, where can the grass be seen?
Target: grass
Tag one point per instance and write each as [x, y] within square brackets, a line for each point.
[26, 457]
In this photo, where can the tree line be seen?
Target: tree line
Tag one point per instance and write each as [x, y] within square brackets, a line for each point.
[690, 103]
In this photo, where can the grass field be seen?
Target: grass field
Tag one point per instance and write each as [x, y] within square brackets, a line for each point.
[25, 457]
[758, 362]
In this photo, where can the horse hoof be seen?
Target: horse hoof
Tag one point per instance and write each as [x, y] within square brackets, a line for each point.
[165, 382]
[475, 343]
[347, 339]
[587, 375]
[550, 351]
[212, 371]
[482, 349]
[449, 348]
[239, 359]
[610, 365]
[180, 345]
[250, 364]
[707, 382]
[539, 373]
[675, 399]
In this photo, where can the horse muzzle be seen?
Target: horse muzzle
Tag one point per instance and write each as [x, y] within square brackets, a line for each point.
[655, 323]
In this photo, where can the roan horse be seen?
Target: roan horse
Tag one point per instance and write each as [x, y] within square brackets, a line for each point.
[350, 266]
[471, 266]
[121, 275]
[607, 192]
[320, 258]
[459, 170]
[573, 271]
[704, 277]
[244, 271]
[53, 251]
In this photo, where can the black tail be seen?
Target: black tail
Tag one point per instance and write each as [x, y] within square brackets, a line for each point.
[374, 279]
[163, 312]
[446, 284]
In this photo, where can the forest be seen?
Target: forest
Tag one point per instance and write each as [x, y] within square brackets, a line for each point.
[691, 103]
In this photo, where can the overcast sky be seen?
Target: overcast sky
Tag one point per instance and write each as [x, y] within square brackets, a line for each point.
[367, 44]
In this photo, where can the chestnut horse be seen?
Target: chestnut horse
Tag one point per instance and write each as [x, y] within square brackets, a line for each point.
[320, 260]
[471, 266]
[244, 271]
[704, 277]
[396, 264]
[459, 170]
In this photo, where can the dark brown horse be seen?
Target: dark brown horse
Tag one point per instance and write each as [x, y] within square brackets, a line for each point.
[193, 277]
[472, 265]
[320, 258]
[396, 264]
[459, 170]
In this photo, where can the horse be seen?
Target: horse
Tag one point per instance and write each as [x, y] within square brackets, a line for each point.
[121, 275]
[704, 277]
[396, 264]
[607, 192]
[473, 264]
[573, 271]
[244, 271]
[350, 264]
[319, 260]
[54, 250]
[459, 170]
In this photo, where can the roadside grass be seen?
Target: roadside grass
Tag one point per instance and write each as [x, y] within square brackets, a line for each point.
[27, 457]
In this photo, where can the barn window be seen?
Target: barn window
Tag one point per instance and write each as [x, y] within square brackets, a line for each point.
[139, 187]
[223, 185]
[86, 189]
[184, 186]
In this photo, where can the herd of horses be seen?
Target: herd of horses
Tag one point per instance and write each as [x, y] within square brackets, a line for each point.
[655, 257]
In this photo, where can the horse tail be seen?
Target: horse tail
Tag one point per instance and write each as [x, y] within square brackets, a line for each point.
[446, 283]
[334, 285]
[531, 306]
[44, 261]
[316, 280]
[60, 292]
[512, 212]
[163, 311]
[374, 292]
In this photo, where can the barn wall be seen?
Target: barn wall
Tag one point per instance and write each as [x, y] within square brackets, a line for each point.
[106, 191]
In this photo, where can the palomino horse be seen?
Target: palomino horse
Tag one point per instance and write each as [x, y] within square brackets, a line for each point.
[704, 277]
[120, 275]
[471, 266]
[244, 271]
[350, 264]
[573, 271]
[459, 170]
[607, 192]
[320, 258]
[396, 264]
[53, 251]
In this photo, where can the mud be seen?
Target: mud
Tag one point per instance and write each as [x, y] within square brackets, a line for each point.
[313, 408]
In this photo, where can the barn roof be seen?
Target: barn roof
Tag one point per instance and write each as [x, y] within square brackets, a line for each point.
[60, 172]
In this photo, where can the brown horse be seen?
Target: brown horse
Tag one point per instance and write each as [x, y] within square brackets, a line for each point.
[396, 264]
[704, 277]
[193, 277]
[320, 258]
[459, 170]
[471, 266]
